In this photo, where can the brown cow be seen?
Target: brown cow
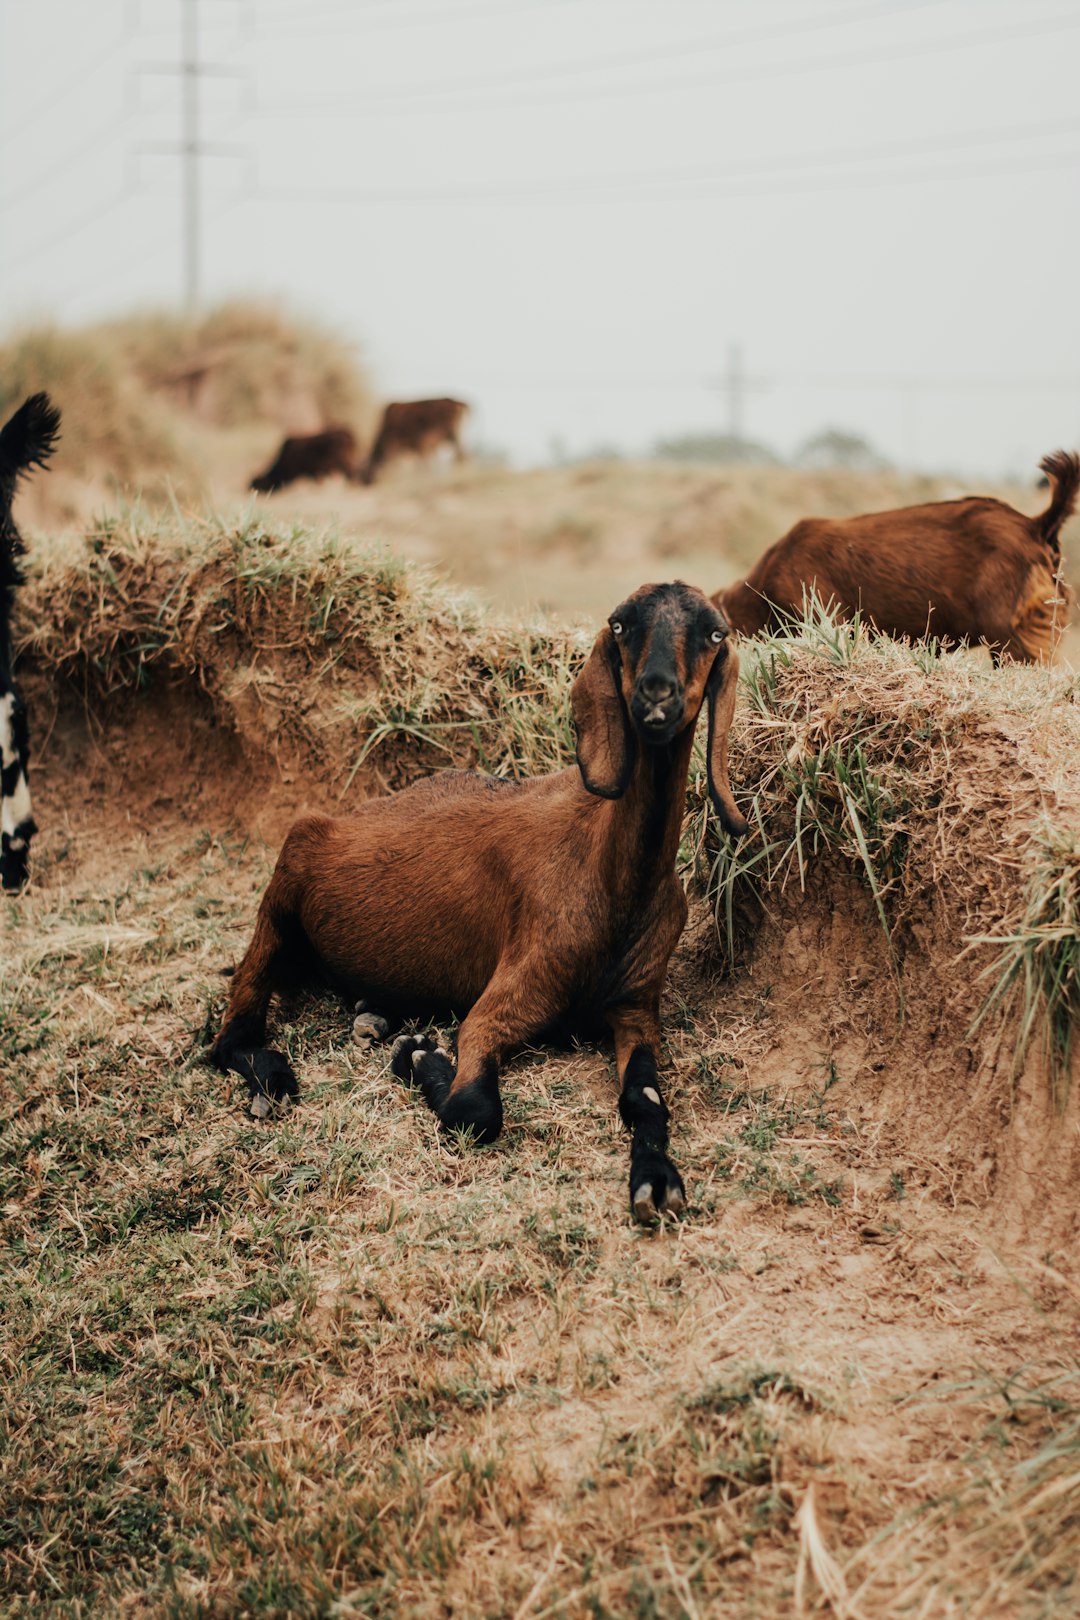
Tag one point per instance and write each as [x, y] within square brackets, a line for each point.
[311, 455]
[418, 426]
[969, 570]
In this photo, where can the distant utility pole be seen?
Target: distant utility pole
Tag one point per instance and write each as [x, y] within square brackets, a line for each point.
[736, 385]
[191, 148]
[189, 67]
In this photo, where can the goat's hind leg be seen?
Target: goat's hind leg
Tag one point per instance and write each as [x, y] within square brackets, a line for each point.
[656, 1187]
[264, 969]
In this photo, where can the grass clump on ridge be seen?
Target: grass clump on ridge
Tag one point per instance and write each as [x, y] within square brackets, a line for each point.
[929, 777]
[344, 654]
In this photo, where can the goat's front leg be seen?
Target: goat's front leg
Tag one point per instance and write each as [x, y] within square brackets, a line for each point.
[656, 1187]
[511, 1009]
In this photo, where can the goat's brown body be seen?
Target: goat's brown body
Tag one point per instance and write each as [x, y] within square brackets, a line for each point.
[524, 906]
[415, 427]
[311, 455]
[969, 570]
[427, 896]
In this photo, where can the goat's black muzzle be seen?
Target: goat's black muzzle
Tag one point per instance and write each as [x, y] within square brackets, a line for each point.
[658, 705]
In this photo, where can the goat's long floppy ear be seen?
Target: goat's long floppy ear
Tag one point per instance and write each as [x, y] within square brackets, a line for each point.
[720, 693]
[605, 741]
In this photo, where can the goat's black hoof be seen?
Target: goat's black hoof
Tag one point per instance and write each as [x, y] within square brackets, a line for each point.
[476, 1108]
[433, 1072]
[401, 1056]
[656, 1189]
[270, 1080]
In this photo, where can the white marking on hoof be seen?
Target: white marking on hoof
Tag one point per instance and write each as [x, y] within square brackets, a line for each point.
[652, 1094]
[674, 1202]
[418, 1056]
[260, 1106]
[644, 1208]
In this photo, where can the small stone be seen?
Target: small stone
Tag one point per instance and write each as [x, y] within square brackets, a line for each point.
[369, 1027]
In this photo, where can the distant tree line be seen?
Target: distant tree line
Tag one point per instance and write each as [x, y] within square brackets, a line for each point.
[832, 448]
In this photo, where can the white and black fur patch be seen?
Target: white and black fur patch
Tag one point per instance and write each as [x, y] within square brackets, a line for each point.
[16, 818]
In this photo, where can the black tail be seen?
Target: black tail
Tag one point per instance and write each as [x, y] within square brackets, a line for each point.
[1062, 468]
[26, 441]
[29, 438]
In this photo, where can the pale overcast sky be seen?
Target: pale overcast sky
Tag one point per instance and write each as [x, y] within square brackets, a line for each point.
[568, 211]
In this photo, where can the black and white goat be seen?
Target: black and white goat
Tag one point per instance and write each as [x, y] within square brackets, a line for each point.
[26, 441]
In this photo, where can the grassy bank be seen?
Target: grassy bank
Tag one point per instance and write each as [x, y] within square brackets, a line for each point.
[331, 1365]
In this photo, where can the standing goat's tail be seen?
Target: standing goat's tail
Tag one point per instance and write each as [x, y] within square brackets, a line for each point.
[1062, 468]
[26, 441]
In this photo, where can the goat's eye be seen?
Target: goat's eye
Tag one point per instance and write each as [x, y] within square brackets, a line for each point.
[717, 636]
[616, 627]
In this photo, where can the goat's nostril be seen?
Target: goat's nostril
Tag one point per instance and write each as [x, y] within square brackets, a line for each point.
[657, 688]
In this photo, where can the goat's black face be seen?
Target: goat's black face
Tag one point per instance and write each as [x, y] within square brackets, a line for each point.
[662, 653]
[667, 638]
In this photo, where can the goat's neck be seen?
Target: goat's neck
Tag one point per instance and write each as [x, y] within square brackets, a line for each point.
[642, 829]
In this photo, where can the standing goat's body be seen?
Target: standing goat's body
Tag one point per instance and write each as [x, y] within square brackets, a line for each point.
[26, 441]
[970, 570]
[528, 906]
[415, 427]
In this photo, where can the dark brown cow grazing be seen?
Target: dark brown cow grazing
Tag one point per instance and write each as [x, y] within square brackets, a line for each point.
[971, 570]
[311, 455]
[417, 426]
[544, 904]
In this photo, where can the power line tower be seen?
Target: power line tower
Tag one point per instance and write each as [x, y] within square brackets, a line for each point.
[736, 385]
[191, 148]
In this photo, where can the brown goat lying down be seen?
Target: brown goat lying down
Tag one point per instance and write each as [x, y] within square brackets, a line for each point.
[970, 570]
[544, 904]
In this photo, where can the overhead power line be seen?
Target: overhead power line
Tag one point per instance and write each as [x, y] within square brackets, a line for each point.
[730, 39]
[91, 216]
[367, 101]
[853, 382]
[63, 164]
[502, 11]
[793, 173]
[17, 128]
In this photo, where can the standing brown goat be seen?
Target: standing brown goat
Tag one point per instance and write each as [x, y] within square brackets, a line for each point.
[415, 427]
[970, 570]
[535, 904]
